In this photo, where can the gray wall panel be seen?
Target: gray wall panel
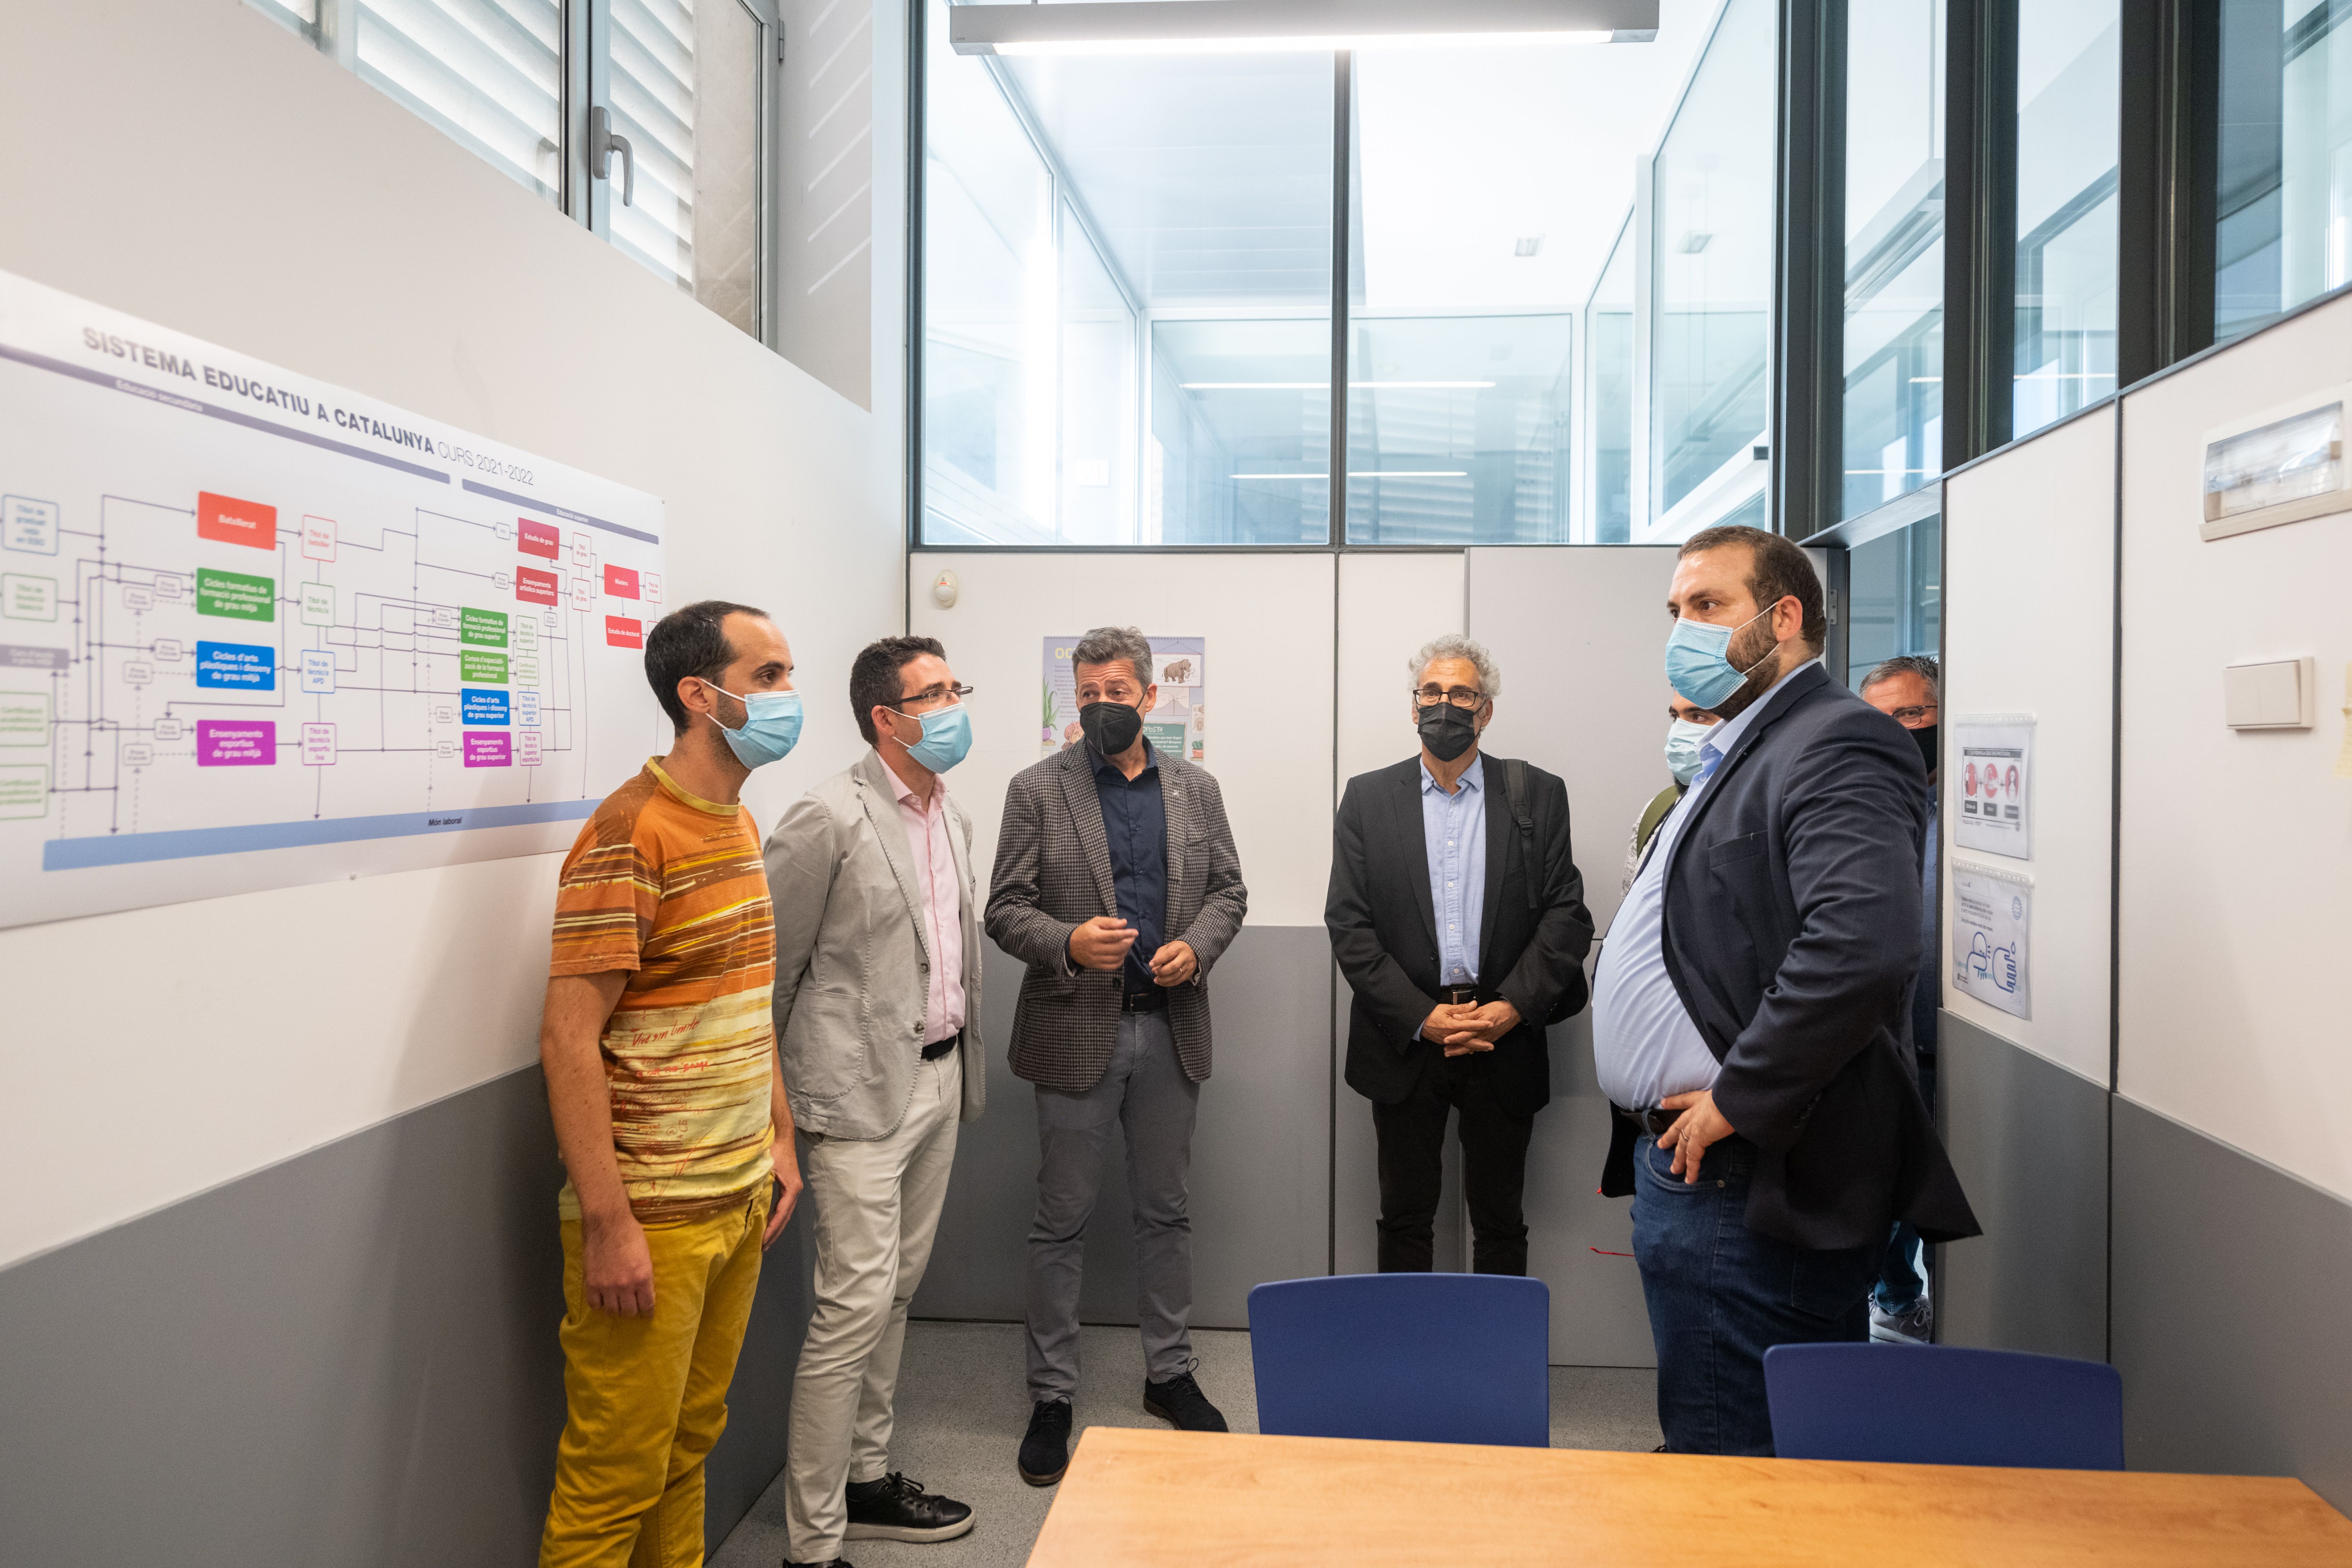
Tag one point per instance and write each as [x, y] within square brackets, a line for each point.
[2230, 1282]
[1260, 1181]
[2029, 1142]
[350, 1357]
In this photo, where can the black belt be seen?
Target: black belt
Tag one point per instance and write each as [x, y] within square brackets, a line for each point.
[1150, 999]
[1653, 1121]
[1454, 996]
[938, 1048]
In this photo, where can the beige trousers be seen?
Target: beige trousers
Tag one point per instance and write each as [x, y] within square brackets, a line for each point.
[877, 1207]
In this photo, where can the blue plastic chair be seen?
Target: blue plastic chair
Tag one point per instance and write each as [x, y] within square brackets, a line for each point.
[1415, 1358]
[1941, 1404]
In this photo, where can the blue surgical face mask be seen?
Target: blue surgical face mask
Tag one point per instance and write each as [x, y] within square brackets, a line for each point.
[1683, 737]
[771, 726]
[946, 737]
[1696, 666]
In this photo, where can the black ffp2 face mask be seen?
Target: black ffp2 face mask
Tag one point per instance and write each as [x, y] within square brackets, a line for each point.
[1447, 731]
[1110, 727]
[1925, 739]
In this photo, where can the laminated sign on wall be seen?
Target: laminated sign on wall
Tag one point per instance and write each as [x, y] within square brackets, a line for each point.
[1992, 764]
[257, 630]
[1177, 723]
[1993, 920]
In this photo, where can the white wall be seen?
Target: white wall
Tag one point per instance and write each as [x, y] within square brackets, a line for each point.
[192, 163]
[2237, 848]
[2029, 627]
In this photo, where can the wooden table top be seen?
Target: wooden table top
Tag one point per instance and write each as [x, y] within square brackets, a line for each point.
[1143, 1497]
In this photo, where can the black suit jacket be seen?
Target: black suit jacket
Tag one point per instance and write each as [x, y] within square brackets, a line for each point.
[1791, 934]
[1383, 930]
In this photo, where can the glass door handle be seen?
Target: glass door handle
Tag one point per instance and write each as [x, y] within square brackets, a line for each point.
[602, 144]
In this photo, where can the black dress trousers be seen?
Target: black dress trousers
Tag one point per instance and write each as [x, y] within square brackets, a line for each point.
[1412, 1135]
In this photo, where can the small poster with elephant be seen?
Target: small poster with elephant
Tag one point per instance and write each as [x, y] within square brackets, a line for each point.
[1176, 722]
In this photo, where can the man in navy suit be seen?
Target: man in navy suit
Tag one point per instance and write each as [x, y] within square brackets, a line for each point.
[1751, 1010]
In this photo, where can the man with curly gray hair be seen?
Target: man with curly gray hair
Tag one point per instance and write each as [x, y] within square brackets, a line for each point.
[1458, 914]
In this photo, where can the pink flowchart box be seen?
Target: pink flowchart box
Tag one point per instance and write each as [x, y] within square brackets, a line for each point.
[236, 742]
[319, 745]
[487, 748]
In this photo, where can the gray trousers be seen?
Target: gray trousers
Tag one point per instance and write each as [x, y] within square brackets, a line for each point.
[1144, 1091]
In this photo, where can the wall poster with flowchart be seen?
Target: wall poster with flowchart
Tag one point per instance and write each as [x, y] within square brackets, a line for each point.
[1178, 723]
[257, 630]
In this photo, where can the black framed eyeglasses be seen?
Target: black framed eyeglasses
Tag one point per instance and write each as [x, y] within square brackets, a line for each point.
[1460, 696]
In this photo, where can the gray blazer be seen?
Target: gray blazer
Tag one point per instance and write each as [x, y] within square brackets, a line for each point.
[1053, 874]
[853, 972]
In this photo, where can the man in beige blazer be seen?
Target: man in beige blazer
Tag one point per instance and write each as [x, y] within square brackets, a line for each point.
[878, 1027]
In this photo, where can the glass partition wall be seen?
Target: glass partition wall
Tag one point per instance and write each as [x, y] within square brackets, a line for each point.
[1130, 265]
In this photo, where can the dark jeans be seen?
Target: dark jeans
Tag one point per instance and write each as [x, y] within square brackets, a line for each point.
[1494, 1168]
[1720, 1295]
[1903, 1276]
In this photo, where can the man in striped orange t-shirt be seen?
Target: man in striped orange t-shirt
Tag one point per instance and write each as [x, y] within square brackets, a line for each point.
[660, 1057]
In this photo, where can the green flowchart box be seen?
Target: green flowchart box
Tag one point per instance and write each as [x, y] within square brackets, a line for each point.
[24, 791]
[239, 595]
[24, 717]
[486, 627]
[318, 604]
[25, 597]
[482, 669]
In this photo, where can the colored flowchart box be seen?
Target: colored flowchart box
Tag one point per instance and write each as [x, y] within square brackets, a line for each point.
[649, 587]
[234, 521]
[236, 666]
[484, 708]
[24, 717]
[527, 752]
[533, 586]
[488, 668]
[487, 628]
[28, 525]
[318, 671]
[239, 596]
[526, 671]
[318, 745]
[24, 791]
[488, 749]
[621, 582]
[622, 631]
[25, 597]
[317, 539]
[236, 742]
[539, 539]
[28, 656]
[526, 710]
[318, 604]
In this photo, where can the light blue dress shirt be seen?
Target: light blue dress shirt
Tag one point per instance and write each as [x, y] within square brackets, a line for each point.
[1454, 831]
[1644, 1046]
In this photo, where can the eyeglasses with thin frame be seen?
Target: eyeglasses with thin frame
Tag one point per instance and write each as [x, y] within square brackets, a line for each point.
[929, 695]
[1460, 696]
[1906, 717]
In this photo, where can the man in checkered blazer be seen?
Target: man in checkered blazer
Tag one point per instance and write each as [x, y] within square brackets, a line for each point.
[1117, 887]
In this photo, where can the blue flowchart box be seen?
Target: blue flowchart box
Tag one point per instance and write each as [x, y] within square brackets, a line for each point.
[237, 666]
[484, 708]
[526, 710]
[318, 671]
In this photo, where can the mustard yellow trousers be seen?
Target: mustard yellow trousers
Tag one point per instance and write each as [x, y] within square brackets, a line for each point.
[647, 1396]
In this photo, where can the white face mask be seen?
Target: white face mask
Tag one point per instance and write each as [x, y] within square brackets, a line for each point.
[1683, 738]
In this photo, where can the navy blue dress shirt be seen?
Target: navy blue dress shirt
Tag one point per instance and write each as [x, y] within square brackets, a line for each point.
[1135, 821]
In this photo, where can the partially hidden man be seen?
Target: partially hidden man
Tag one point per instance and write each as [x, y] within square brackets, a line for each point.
[877, 1023]
[1458, 914]
[1118, 888]
[661, 1074]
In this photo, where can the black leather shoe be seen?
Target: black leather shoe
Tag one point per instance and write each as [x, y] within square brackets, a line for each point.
[1180, 1402]
[896, 1509]
[1045, 1450]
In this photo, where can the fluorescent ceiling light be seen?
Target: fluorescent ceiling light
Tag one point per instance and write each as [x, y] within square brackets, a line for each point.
[1252, 26]
[1326, 386]
[1360, 474]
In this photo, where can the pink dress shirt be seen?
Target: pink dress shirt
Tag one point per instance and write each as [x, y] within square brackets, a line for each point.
[935, 878]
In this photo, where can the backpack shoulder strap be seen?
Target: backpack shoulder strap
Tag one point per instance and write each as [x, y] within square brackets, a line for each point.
[1515, 786]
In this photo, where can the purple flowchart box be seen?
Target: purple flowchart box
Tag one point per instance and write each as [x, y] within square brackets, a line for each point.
[236, 742]
[485, 748]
